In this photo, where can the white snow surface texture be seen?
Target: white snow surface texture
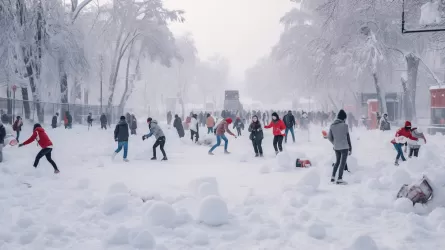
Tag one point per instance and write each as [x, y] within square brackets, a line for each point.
[197, 201]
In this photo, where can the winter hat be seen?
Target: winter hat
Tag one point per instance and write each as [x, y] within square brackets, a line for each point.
[342, 115]
[149, 119]
[37, 125]
[407, 124]
[229, 120]
[276, 115]
[122, 118]
[18, 117]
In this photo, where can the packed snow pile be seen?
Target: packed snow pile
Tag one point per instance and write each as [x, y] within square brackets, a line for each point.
[430, 13]
[161, 213]
[213, 211]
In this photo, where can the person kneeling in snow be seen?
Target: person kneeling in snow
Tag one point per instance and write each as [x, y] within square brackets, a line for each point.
[121, 136]
[43, 140]
[159, 135]
[339, 137]
[220, 134]
[414, 146]
[400, 138]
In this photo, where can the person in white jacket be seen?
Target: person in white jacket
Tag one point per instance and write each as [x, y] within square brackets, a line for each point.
[194, 127]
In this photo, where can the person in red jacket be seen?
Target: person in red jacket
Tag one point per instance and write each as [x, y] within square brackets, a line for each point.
[43, 140]
[400, 139]
[278, 126]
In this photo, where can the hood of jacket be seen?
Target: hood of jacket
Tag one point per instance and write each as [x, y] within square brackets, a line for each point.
[121, 122]
[338, 121]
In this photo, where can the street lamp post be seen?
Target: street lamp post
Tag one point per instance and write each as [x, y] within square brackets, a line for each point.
[14, 88]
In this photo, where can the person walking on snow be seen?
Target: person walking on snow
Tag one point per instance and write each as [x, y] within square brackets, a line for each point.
[178, 125]
[339, 137]
[2, 139]
[221, 129]
[54, 120]
[194, 127]
[169, 118]
[17, 127]
[103, 121]
[121, 135]
[414, 147]
[277, 126]
[159, 135]
[256, 136]
[90, 120]
[289, 121]
[133, 124]
[401, 137]
[210, 123]
[45, 143]
[238, 125]
[384, 123]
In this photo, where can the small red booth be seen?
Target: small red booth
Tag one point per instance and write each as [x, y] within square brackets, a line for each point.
[373, 108]
[437, 121]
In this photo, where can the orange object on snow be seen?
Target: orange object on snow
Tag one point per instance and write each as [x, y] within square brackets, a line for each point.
[324, 133]
[303, 163]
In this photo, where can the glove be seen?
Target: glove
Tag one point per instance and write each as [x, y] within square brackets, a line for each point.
[350, 152]
[20, 145]
[144, 137]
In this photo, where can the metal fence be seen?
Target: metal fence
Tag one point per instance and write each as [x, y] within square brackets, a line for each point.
[79, 112]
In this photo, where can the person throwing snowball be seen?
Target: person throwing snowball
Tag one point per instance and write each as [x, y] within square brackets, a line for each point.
[43, 140]
[159, 135]
[221, 129]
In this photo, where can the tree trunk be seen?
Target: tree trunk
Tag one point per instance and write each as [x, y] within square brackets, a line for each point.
[63, 78]
[412, 62]
[380, 95]
[26, 105]
[125, 95]
[405, 99]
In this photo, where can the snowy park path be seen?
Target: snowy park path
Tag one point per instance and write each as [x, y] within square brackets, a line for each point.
[96, 203]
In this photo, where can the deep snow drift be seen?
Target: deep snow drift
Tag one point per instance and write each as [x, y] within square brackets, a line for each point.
[197, 201]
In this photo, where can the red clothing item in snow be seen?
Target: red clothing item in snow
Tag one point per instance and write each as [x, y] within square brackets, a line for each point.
[402, 132]
[278, 127]
[42, 138]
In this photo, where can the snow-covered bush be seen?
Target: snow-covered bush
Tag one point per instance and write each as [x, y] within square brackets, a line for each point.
[213, 211]
[161, 214]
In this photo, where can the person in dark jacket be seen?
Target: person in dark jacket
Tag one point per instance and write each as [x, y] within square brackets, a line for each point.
[178, 125]
[133, 124]
[68, 120]
[17, 127]
[103, 121]
[54, 120]
[339, 137]
[169, 118]
[121, 136]
[289, 121]
[2, 140]
[256, 136]
[384, 123]
[90, 120]
[160, 138]
[238, 125]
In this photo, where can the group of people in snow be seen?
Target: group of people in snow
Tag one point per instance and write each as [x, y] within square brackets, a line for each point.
[408, 137]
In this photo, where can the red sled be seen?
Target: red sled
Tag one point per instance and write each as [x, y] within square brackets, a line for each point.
[303, 163]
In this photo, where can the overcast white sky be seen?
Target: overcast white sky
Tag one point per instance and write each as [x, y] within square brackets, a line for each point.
[241, 30]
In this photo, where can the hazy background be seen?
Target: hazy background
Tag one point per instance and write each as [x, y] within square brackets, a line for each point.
[241, 30]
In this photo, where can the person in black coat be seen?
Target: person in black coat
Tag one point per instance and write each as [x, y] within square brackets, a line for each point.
[2, 140]
[178, 125]
[121, 137]
[289, 121]
[103, 121]
[54, 120]
[256, 136]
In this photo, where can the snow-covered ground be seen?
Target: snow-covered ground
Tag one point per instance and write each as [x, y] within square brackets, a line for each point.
[197, 201]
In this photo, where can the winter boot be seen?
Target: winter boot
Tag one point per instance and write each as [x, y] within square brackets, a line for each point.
[333, 179]
[211, 153]
[226, 152]
[153, 158]
[341, 182]
[113, 156]
[261, 155]
[164, 159]
[126, 160]
[256, 155]
[56, 171]
[396, 163]
[276, 152]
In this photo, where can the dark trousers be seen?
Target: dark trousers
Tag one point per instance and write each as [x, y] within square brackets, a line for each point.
[291, 130]
[103, 126]
[414, 151]
[194, 133]
[398, 147]
[238, 130]
[159, 142]
[209, 130]
[133, 131]
[257, 146]
[278, 143]
[47, 153]
[340, 162]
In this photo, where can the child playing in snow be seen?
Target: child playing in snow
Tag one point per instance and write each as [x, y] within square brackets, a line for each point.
[400, 138]
[414, 146]
[43, 140]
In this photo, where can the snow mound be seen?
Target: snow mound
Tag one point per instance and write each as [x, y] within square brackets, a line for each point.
[118, 187]
[161, 214]
[310, 181]
[403, 205]
[284, 162]
[264, 169]
[28, 236]
[196, 184]
[207, 189]
[114, 203]
[244, 157]
[400, 177]
[363, 242]
[118, 236]
[183, 216]
[213, 211]
[200, 238]
[24, 221]
[144, 240]
[316, 231]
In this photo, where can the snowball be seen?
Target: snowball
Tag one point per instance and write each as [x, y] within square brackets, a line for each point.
[403, 205]
[118, 236]
[264, 169]
[114, 203]
[195, 184]
[83, 184]
[161, 214]
[183, 217]
[311, 180]
[284, 161]
[400, 177]
[317, 231]
[200, 238]
[144, 240]
[213, 211]
[207, 189]
[118, 187]
[364, 242]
